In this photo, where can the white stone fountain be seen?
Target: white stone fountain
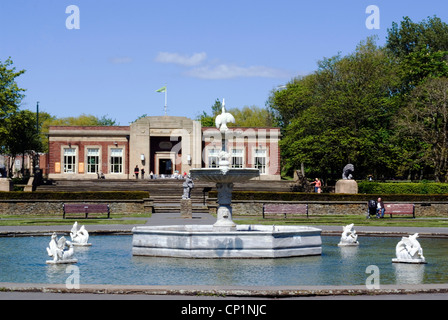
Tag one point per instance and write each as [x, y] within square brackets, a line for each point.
[225, 239]
[79, 236]
[349, 238]
[409, 250]
[60, 250]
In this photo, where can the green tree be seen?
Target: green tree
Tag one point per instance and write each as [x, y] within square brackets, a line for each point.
[421, 48]
[208, 120]
[252, 117]
[22, 135]
[424, 123]
[10, 95]
[344, 113]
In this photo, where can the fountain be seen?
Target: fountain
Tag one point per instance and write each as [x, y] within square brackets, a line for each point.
[349, 237]
[80, 237]
[57, 249]
[409, 250]
[225, 239]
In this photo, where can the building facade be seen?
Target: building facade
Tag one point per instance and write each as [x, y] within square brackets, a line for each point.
[164, 145]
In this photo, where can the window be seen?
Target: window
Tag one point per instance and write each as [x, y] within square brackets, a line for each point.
[213, 158]
[93, 160]
[116, 160]
[237, 158]
[69, 160]
[260, 160]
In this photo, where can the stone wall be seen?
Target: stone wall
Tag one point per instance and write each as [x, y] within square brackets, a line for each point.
[315, 208]
[48, 207]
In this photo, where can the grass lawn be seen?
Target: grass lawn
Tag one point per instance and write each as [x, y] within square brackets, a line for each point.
[342, 220]
[33, 220]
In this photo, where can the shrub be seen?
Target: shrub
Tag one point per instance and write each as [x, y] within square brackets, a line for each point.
[99, 195]
[402, 188]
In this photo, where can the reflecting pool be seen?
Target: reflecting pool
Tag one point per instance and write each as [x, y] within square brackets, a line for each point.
[109, 261]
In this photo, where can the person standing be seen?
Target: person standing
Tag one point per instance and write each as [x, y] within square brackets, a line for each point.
[143, 173]
[317, 185]
[136, 171]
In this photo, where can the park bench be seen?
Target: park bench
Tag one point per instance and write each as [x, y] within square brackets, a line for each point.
[399, 208]
[284, 208]
[77, 208]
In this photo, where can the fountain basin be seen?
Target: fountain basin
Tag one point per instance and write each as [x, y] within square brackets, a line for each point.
[245, 241]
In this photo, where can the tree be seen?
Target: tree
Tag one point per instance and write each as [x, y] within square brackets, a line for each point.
[10, 95]
[344, 112]
[424, 123]
[252, 117]
[207, 120]
[421, 48]
[22, 136]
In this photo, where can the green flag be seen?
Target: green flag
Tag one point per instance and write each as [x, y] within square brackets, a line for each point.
[163, 89]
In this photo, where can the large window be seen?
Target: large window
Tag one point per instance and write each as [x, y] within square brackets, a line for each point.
[213, 158]
[116, 160]
[93, 160]
[237, 158]
[69, 160]
[260, 160]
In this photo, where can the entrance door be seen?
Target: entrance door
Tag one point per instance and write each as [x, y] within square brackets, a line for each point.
[165, 166]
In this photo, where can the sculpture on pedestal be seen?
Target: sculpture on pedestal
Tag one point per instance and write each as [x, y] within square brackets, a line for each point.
[409, 250]
[188, 185]
[80, 237]
[60, 250]
[347, 184]
[349, 236]
[347, 172]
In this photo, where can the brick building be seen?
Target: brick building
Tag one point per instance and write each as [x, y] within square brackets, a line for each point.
[162, 145]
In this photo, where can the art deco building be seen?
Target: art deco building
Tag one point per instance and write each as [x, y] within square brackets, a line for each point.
[163, 145]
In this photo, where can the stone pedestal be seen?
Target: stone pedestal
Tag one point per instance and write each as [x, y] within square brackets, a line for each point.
[224, 213]
[346, 186]
[5, 184]
[186, 210]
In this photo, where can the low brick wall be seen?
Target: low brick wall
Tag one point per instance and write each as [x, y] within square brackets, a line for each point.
[54, 207]
[315, 208]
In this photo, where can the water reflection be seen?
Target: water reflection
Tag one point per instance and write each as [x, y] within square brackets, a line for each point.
[110, 261]
[409, 273]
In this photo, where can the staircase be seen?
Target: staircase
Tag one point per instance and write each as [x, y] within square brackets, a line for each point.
[166, 193]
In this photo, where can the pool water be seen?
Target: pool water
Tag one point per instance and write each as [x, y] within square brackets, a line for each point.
[109, 261]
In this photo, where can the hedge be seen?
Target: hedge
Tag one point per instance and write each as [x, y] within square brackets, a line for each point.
[402, 188]
[98, 195]
[329, 197]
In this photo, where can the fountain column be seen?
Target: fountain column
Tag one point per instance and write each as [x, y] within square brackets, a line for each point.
[224, 212]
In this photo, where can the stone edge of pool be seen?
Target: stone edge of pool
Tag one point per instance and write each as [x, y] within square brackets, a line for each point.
[228, 291]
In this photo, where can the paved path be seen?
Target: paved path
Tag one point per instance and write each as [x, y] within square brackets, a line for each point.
[34, 291]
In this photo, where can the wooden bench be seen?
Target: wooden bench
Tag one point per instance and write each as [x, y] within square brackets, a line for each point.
[399, 208]
[69, 208]
[284, 208]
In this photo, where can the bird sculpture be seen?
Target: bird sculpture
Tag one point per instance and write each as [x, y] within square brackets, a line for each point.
[223, 118]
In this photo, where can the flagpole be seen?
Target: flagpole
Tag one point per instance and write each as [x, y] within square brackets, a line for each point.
[166, 92]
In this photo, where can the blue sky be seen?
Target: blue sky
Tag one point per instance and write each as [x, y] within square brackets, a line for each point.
[201, 49]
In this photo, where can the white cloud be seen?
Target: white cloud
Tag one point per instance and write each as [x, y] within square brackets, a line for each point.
[176, 58]
[121, 60]
[225, 71]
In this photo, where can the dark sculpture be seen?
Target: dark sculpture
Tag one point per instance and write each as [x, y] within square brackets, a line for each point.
[347, 172]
